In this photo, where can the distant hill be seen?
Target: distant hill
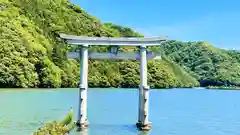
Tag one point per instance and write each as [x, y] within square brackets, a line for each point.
[208, 64]
[32, 54]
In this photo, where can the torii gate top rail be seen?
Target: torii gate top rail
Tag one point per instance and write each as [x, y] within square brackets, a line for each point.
[121, 41]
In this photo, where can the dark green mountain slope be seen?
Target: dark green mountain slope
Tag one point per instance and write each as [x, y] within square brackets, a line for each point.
[32, 55]
[210, 65]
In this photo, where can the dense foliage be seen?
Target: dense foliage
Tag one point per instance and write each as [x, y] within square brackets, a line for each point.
[122, 31]
[210, 65]
[32, 54]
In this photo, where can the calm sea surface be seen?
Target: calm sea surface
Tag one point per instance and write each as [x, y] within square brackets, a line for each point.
[114, 111]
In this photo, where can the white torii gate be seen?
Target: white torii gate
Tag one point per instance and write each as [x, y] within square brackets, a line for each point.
[114, 43]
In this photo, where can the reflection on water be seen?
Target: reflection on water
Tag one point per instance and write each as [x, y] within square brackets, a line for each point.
[114, 128]
[84, 132]
[143, 133]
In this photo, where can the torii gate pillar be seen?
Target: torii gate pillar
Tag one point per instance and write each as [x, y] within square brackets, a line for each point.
[143, 122]
[83, 86]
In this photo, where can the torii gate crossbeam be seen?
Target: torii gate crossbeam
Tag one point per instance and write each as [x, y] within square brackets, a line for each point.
[142, 55]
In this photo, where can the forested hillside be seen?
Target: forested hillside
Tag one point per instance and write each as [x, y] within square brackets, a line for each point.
[32, 55]
[210, 65]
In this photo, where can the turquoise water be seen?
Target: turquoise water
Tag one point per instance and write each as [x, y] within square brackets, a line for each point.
[114, 111]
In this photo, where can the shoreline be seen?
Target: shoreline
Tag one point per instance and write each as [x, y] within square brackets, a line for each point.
[224, 87]
[56, 89]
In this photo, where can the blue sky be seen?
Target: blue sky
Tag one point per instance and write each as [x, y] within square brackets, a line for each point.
[217, 22]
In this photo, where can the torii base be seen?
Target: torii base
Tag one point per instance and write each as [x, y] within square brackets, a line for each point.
[82, 126]
[146, 127]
